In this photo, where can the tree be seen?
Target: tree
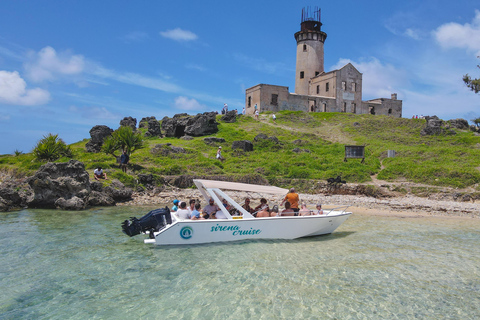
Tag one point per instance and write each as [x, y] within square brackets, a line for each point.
[122, 139]
[476, 121]
[50, 148]
[473, 84]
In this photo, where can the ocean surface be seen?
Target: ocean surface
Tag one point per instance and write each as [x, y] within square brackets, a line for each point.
[79, 265]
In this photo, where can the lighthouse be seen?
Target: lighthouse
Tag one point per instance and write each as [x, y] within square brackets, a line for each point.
[310, 40]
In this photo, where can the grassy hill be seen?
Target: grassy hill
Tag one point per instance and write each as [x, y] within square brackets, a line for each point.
[442, 161]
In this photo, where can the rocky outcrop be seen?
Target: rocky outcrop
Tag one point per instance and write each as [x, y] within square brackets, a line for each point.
[166, 149]
[229, 117]
[213, 140]
[67, 186]
[97, 134]
[129, 122]
[153, 129]
[144, 122]
[59, 180]
[244, 145]
[195, 126]
[14, 194]
[461, 124]
[298, 150]
[435, 126]
[262, 136]
[118, 192]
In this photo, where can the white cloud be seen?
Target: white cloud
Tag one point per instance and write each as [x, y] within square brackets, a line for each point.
[94, 112]
[135, 36]
[184, 103]
[455, 35]
[413, 33]
[260, 64]
[379, 80]
[13, 90]
[136, 79]
[178, 34]
[48, 65]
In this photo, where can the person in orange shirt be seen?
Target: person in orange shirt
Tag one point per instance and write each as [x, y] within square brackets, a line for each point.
[293, 198]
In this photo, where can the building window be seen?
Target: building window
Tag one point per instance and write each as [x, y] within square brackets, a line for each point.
[302, 74]
[324, 107]
[304, 48]
[344, 85]
[317, 73]
[274, 101]
[327, 86]
[354, 87]
[344, 107]
[354, 107]
[249, 104]
[389, 111]
[318, 89]
[371, 110]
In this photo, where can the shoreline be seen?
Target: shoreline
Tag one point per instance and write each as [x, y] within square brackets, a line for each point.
[405, 206]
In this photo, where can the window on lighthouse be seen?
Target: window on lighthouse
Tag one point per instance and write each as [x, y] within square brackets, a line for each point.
[304, 48]
[302, 75]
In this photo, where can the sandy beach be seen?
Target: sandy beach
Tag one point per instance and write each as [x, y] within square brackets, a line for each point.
[405, 206]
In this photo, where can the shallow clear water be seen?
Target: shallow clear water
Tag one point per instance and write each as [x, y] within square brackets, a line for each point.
[79, 265]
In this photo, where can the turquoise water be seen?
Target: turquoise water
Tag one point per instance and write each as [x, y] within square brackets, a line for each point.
[79, 265]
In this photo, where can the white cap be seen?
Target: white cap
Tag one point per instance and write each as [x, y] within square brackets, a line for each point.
[220, 147]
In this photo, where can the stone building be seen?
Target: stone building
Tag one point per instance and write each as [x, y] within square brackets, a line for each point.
[316, 90]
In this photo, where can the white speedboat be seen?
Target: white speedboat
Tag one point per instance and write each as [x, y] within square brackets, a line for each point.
[165, 228]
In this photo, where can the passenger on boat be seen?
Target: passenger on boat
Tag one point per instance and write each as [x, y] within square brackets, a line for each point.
[196, 213]
[247, 207]
[210, 208]
[293, 198]
[288, 210]
[319, 209]
[183, 212]
[219, 215]
[262, 206]
[191, 205]
[175, 205]
[226, 205]
[304, 211]
[274, 211]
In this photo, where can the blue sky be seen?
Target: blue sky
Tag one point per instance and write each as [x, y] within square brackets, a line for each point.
[66, 66]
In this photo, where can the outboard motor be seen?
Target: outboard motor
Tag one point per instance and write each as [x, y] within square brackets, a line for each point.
[153, 221]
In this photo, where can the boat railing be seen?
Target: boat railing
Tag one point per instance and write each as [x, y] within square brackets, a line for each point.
[339, 208]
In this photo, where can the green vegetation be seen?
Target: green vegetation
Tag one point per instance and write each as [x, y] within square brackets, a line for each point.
[318, 138]
[123, 139]
[51, 148]
[472, 83]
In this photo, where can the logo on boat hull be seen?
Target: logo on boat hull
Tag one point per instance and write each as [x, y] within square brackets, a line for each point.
[186, 232]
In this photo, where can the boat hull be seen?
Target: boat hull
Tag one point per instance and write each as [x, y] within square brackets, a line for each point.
[183, 232]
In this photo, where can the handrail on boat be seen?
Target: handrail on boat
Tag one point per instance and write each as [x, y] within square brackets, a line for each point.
[334, 209]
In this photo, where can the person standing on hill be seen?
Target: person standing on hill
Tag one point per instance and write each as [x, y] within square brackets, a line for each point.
[293, 198]
[124, 159]
[219, 154]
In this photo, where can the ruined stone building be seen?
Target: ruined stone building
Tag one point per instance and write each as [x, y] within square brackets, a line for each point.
[316, 90]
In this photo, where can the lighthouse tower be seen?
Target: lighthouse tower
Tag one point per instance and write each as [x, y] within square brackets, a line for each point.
[310, 41]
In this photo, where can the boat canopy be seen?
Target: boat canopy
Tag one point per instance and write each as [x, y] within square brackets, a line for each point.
[225, 185]
[213, 189]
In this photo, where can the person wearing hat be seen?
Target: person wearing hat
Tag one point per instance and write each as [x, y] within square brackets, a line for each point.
[219, 154]
[175, 205]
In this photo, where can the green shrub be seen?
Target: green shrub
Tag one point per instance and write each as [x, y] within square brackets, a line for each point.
[51, 148]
